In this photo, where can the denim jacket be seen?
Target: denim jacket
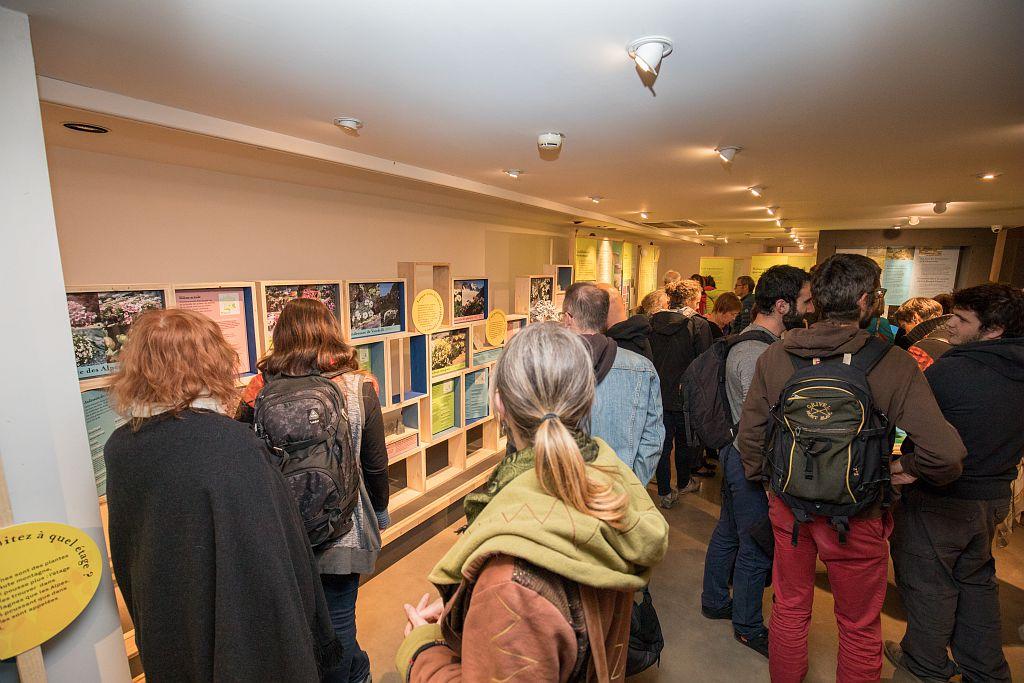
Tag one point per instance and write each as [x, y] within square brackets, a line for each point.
[627, 413]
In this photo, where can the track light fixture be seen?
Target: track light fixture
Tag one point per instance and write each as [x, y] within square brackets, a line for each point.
[349, 124]
[596, 198]
[778, 222]
[644, 215]
[988, 176]
[728, 153]
[772, 210]
[756, 190]
[897, 227]
[648, 52]
[513, 173]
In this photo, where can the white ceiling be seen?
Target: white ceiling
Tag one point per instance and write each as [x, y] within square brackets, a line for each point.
[853, 113]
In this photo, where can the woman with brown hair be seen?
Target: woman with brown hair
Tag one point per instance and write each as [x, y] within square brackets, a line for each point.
[306, 341]
[207, 546]
[727, 309]
[555, 547]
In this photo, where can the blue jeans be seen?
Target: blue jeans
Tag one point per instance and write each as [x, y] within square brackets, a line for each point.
[341, 591]
[732, 551]
[675, 440]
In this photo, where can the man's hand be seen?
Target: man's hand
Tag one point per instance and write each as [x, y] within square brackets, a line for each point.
[425, 612]
[899, 477]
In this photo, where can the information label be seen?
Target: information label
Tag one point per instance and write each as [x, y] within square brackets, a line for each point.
[648, 275]
[477, 395]
[48, 574]
[721, 268]
[586, 259]
[100, 423]
[226, 308]
[497, 327]
[427, 311]
[442, 406]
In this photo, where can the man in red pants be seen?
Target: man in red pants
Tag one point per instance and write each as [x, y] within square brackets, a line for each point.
[845, 289]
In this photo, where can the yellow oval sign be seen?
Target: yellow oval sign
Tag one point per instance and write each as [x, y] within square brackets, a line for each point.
[497, 327]
[428, 311]
[48, 574]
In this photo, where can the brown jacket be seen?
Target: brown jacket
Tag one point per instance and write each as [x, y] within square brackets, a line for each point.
[518, 622]
[897, 385]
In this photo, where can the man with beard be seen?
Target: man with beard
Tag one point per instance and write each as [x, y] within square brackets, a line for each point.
[844, 290]
[783, 296]
[942, 542]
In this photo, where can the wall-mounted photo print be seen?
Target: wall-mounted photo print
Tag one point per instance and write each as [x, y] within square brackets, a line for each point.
[375, 308]
[541, 289]
[278, 296]
[100, 322]
[469, 300]
[448, 351]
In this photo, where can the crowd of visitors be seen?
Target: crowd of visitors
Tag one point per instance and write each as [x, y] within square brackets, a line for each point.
[275, 515]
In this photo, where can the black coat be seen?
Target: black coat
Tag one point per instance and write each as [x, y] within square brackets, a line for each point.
[211, 555]
[632, 335]
[676, 339]
[980, 389]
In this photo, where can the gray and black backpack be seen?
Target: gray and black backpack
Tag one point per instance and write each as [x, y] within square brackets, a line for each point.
[304, 423]
[829, 447]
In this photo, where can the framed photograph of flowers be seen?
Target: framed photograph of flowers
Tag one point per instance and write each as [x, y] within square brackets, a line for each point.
[374, 308]
[100, 317]
[448, 351]
[275, 295]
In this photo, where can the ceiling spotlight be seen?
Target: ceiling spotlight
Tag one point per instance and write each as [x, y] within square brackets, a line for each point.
[914, 220]
[771, 210]
[790, 230]
[897, 227]
[349, 124]
[513, 173]
[85, 127]
[801, 247]
[725, 240]
[778, 222]
[644, 215]
[756, 190]
[939, 207]
[596, 198]
[648, 52]
[988, 176]
[727, 154]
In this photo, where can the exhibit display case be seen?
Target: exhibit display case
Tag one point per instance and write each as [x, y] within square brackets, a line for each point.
[273, 295]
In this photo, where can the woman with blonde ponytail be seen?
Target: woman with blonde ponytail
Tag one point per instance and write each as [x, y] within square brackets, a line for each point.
[555, 546]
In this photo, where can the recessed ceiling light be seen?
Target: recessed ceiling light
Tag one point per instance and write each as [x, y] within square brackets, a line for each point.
[596, 198]
[648, 52]
[988, 176]
[349, 124]
[939, 207]
[513, 172]
[914, 220]
[756, 190]
[79, 127]
[771, 210]
[644, 215]
[728, 153]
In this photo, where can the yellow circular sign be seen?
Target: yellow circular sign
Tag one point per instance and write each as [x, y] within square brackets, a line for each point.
[48, 574]
[497, 327]
[428, 311]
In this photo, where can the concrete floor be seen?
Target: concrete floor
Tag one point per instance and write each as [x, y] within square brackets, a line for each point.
[695, 648]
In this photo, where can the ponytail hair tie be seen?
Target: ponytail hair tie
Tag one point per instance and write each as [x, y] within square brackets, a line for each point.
[549, 416]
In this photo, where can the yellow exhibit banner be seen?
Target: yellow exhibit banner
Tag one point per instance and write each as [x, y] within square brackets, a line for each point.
[496, 328]
[648, 276]
[48, 574]
[762, 262]
[586, 259]
[427, 311]
[721, 268]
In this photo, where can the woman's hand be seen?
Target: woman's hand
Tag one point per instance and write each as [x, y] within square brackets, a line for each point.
[899, 477]
[424, 613]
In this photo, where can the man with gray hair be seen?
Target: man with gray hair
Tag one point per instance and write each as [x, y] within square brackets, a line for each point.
[627, 408]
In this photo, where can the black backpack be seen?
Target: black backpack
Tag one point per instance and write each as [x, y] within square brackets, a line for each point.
[829, 447]
[304, 423]
[673, 353]
[706, 402]
[645, 638]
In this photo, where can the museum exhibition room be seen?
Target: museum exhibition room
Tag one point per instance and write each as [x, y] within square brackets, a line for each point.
[536, 341]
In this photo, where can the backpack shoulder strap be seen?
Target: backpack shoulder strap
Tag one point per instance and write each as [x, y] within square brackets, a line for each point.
[870, 354]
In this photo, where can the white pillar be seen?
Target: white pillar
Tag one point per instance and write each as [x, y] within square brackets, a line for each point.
[42, 430]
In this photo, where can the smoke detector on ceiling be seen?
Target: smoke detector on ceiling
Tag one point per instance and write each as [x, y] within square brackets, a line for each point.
[550, 140]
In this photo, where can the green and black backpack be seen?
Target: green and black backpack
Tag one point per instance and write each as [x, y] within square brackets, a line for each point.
[828, 447]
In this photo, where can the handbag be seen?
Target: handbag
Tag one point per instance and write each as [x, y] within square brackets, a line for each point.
[645, 638]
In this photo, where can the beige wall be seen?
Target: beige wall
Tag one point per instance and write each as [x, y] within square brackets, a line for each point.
[123, 220]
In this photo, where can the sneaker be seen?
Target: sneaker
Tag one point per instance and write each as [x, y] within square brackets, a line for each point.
[720, 613]
[692, 487]
[758, 644]
[669, 500]
[894, 653]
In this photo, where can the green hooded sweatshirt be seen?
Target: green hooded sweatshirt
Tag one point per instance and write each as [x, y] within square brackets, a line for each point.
[524, 521]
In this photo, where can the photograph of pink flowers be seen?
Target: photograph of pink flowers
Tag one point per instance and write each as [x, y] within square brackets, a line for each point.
[277, 296]
[100, 323]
